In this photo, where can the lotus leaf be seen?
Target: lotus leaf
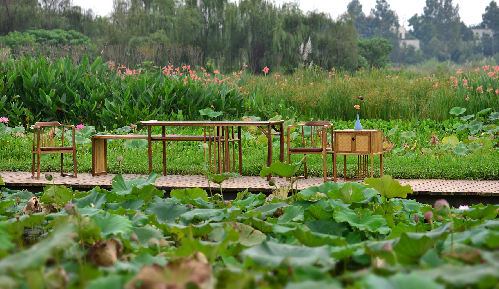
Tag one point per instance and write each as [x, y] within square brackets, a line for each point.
[457, 110]
[166, 212]
[400, 280]
[270, 254]
[388, 187]
[95, 198]
[191, 193]
[113, 224]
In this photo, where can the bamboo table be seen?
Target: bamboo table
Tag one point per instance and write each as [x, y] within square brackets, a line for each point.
[220, 138]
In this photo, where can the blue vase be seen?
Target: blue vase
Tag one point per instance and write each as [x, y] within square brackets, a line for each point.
[358, 126]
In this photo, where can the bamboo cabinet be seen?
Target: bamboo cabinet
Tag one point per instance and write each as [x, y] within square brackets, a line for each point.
[362, 143]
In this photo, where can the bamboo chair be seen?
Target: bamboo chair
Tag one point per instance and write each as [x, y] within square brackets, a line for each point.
[46, 141]
[313, 136]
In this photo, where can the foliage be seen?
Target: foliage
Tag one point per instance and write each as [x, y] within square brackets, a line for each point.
[375, 51]
[312, 240]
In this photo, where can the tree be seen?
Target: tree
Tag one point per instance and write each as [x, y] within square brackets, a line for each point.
[375, 51]
[491, 16]
[386, 19]
[354, 8]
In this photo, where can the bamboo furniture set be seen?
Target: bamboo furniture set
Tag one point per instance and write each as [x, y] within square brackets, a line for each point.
[223, 144]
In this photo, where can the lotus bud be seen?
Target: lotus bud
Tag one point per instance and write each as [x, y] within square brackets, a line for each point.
[442, 207]
[153, 244]
[163, 243]
[133, 237]
[387, 247]
[428, 215]
[71, 209]
[49, 177]
[416, 219]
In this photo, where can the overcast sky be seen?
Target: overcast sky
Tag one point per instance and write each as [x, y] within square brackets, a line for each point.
[470, 10]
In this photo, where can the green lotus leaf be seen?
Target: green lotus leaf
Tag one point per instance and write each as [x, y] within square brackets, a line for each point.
[136, 143]
[407, 134]
[141, 260]
[95, 198]
[270, 209]
[260, 225]
[191, 230]
[108, 282]
[38, 254]
[460, 149]
[210, 249]
[318, 212]
[313, 239]
[220, 178]
[330, 227]
[291, 213]
[494, 116]
[462, 127]
[457, 110]
[348, 193]
[451, 140]
[24, 195]
[431, 259]
[113, 224]
[388, 187]
[313, 284]
[411, 246]
[474, 146]
[370, 221]
[248, 236]
[281, 169]
[465, 118]
[166, 212]
[400, 280]
[59, 195]
[5, 239]
[146, 233]
[134, 204]
[476, 276]
[325, 188]
[191, 193]
[484, 111]
[270, 254]
[122, 187]
[214, 215]
[481, 212]
[475, 126]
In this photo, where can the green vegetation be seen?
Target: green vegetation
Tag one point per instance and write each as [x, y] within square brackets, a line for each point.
[331, 236]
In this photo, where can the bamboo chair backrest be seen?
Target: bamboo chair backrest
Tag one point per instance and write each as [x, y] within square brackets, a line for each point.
[315, 138]
[46, 136]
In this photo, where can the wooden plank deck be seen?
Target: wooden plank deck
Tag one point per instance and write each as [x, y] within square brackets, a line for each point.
[253, 184]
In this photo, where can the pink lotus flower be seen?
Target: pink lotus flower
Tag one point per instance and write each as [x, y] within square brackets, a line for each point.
[132, 125]
[428, 215]
[80, 126]
[416, 219]
[266, 70]
[464, 207]
[4, 119]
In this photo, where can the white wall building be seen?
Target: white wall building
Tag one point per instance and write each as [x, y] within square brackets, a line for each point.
[407, 42]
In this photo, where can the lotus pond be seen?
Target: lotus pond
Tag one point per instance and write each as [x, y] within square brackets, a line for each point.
[333, 236]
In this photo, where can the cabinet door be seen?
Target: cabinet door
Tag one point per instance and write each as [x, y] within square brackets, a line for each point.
[344, 142]
[362, 143]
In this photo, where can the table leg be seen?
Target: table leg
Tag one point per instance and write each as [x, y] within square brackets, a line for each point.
[269, 144]
[281, 137]
[372, 165]
[334, 168]
[163, 133]
[226, 150]
[381, 165]
[149, 148]
[345, 167]
[240, 150]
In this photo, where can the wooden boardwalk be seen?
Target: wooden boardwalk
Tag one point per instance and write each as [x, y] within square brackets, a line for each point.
[253, 184]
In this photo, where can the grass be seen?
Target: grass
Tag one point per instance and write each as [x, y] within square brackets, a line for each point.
[187, 158]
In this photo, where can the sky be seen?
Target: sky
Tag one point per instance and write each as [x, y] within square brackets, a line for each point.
[470, 10]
